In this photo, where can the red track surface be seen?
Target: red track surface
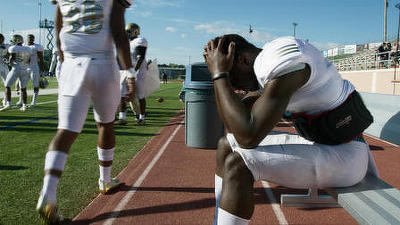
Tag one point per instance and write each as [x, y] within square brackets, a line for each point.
[170, 183]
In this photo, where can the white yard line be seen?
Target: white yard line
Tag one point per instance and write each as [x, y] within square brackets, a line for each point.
[125, 200]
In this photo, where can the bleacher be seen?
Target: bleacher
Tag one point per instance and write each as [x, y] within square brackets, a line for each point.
[365, 60]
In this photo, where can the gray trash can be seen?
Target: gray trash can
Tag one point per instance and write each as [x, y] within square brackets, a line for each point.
[203, 126]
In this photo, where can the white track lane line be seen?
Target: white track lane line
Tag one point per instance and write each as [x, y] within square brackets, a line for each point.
[139, 181]
[275, 206]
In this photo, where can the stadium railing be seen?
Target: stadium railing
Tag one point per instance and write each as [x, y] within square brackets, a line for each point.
[368, 60]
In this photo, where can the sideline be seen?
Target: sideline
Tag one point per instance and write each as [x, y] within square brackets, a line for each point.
[27, 122]
[125, 200]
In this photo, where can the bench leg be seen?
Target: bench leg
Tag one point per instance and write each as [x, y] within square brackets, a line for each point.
[310, 200]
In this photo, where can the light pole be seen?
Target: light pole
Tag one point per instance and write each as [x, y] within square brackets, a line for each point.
[385, 23]
[40, 19]
[294, 29]
[397, 50]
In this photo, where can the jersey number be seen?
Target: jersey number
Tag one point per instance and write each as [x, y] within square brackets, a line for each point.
[88, 17]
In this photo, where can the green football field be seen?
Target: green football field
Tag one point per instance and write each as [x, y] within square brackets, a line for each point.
[24, 138]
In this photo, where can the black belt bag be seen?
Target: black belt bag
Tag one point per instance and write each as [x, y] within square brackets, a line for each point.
[336, 126]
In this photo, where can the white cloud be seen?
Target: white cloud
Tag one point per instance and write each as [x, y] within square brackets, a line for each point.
[324, 45]
[183, 35]
[171, 29]
[222, 27]
[134, 10]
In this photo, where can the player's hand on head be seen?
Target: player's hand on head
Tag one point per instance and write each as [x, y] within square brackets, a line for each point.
[218, 61]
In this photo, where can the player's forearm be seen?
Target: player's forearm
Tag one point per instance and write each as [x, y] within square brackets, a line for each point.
[235, 115]
[117, 23]
[58, 24]
[139, 62]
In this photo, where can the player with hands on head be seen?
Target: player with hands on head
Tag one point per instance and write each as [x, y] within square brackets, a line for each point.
[290, 74]
[89, 73]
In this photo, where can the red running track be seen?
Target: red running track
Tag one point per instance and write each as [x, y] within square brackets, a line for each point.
[172, 184]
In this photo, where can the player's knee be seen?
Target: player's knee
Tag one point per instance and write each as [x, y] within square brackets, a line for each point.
[235, 169]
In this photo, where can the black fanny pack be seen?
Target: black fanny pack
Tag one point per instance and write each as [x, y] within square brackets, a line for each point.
[337, 126]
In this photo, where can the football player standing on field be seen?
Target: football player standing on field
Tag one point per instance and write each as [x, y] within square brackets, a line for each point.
[3, 66]
[138, 47]
[36, 60]
[19, 61]
[86, 32]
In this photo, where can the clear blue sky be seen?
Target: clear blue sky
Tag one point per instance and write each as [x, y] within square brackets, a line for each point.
[177, 30]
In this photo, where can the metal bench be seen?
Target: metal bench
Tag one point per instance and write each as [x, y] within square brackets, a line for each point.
[372, 201]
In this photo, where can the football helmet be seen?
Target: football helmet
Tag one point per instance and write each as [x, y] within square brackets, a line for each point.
[132, 29]
[43, 82]
[17, 39]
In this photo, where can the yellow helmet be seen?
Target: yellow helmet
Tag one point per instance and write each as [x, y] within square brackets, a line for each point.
[132, 29]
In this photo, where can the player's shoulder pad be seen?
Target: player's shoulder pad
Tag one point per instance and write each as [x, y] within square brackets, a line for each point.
[125, 3]
[140, 41]
[11, 49]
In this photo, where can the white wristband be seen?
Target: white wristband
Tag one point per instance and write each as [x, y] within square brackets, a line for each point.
[131, 73]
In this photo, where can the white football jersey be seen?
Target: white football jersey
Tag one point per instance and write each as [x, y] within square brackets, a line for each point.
[3, 52]
[86, 28]
[135, 43]
[35, 49]
[23, 55]
[325, 88]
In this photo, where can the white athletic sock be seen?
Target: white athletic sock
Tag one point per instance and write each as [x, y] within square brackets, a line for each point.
[226, 218]
[105, 155]
[217, 191]
[141, 116]
[50, 184]
[122, 115]
[34, 97]
[55, 160]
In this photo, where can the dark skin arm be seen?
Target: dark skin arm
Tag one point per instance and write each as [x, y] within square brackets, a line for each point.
[117, 24]
[58, 24]
[142, 53]
[41, 60]
[250, 126]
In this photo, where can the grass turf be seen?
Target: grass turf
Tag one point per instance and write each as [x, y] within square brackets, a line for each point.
[24, 138]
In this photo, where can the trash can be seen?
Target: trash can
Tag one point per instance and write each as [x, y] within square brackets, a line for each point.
[203, 126]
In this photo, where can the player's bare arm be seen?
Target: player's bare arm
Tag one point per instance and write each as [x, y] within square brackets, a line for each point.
[250, 127]
[58, 24]
[141, 55]
[117, 24]
[41, 60]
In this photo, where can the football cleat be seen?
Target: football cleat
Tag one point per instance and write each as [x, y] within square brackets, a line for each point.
[48, 212]
[106, 187]
[120, 122]
[141, 122]
[23, 108]
[6, 107]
